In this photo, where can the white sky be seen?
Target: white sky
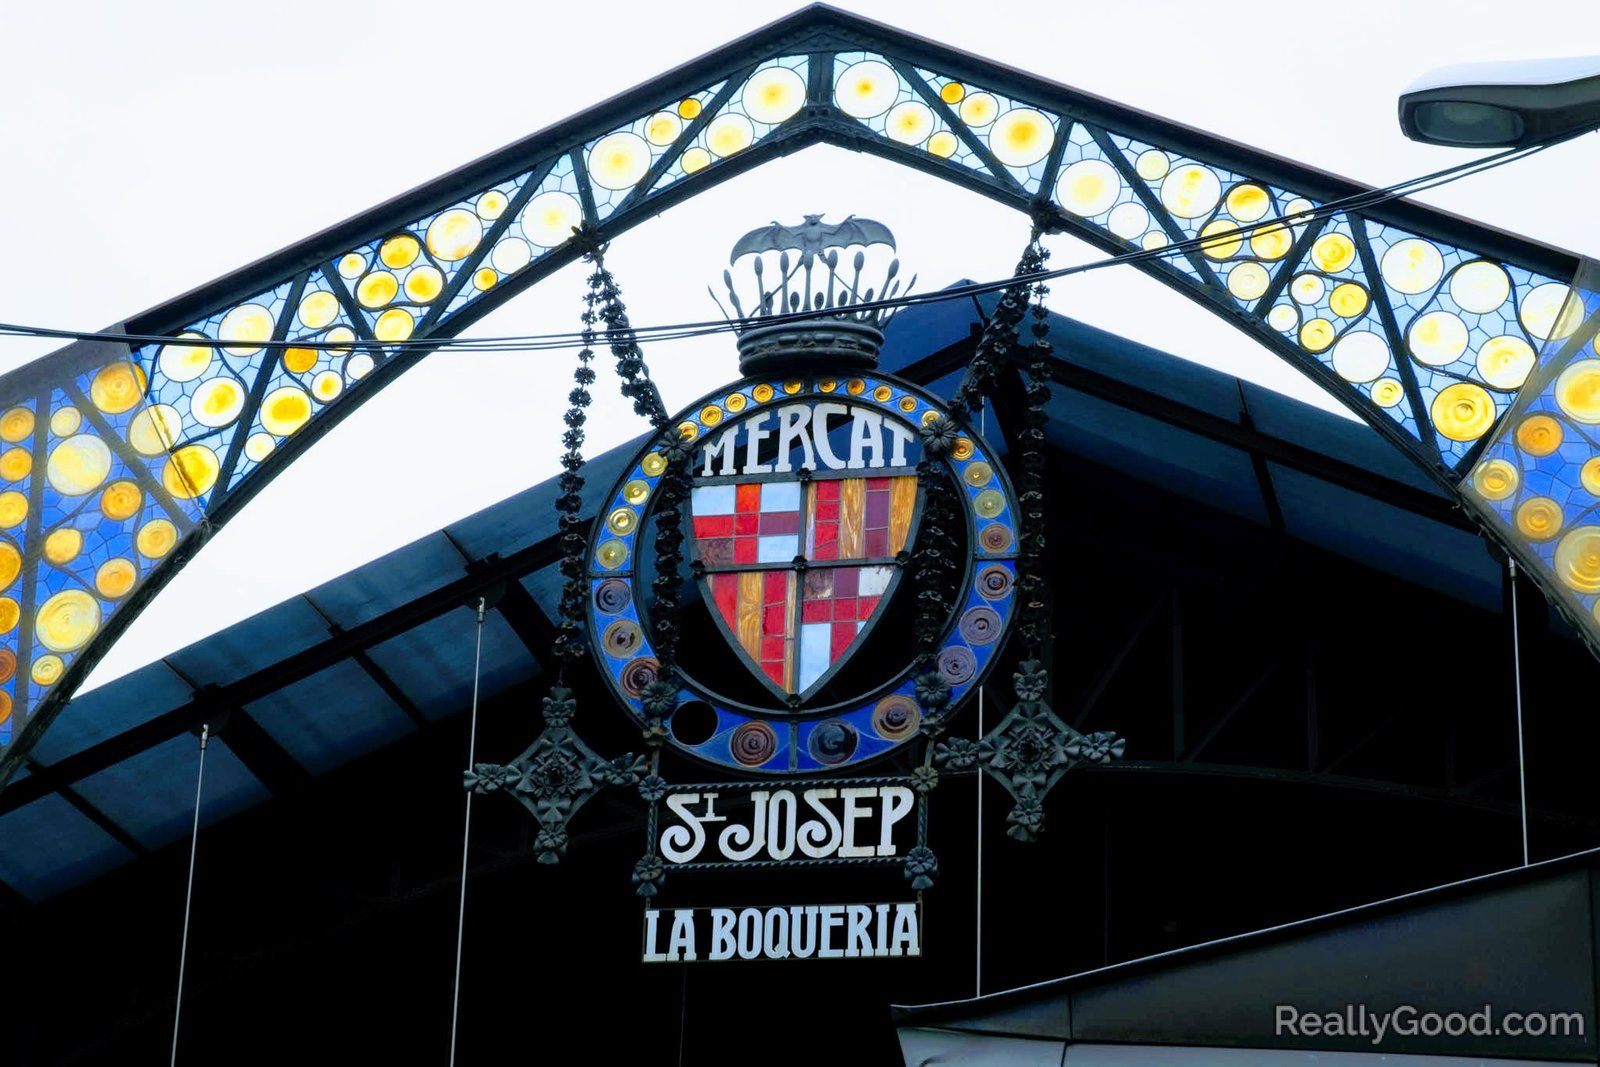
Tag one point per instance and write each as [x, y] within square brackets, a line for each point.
[151, 147]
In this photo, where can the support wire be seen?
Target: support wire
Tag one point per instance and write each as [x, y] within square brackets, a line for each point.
[1516, 667]
[188, 896]
[466, 832]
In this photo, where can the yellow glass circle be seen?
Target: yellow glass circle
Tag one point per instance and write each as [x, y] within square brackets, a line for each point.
[1539, 518]
[46, 670]
[855, 386]
[184, 363]
[1463, 411]
[728, 134]
[1306, 288]
[1347, 300]
[1479, 286]
[10, 614]
[1495, 479]
[689, 108]
[327, 385]
[1578, 559]
[827, 385]
[67, 620]
[1589, 476]
[117, 387]
[636, 492]
[491, 205]
[550, 218]
[1282, 317]
[395, 324]
[399, 251]
[1247, 203]
[1577, 391]
[16, 425]
[989, 503]
[622, 520]
[909, 122]
[1387, 392]
[619, 160]
[763, 393]
[611, 554]
[318, 309]
[1359, 356]
[1539, 435]
[78, 465]
[662, 128]
[484, 279]
[1316, 335]
[952, 92]
[979, 109]
[510, 255]
[259, 446]
[773, 94]
[377, 289]
[1273, 242]
[299, 360]
[735, 402]
[688, 431]
[1225, 239]
[10, 563]
[962, 449]
[63, 546]
[1333, 252]
[358, 366]
[882, 393]
[191, 471]
[792, 386]
[156, 538]
[338, 338]
[653, 463]
[1505, 361]
[866, 89]
[943, 144]
[244, 328]
[1152, 165]
[1248, 281]
[15, 464]
[1437, 338]
[711, 414]
[1550, 311]
[217, 402]
[908, 404]
[454, 234]
[121, 500]
[1191, 191]
[1128, 220]
[1021, 137]
[1153, 240]
[694, 159]
[978, 474]
[115, 578]
[929, 417]
[13, 508]
[1412, 265]
[351, 264]
[155, 429]
[426, 282]
[65, 421]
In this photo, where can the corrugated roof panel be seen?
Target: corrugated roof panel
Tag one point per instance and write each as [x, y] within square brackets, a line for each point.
[105, 712]
[386, 583]
[1146, 368]
[1355, 443]
[433, 663]
[49, 846]
[1387, 538]
[151, 795]
[1153, 451]
[331, 717]
[256, 643]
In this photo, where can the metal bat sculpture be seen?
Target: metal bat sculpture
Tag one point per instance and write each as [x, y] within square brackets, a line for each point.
[812, 236]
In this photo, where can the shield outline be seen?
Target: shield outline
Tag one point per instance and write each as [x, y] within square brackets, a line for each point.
[804, 477]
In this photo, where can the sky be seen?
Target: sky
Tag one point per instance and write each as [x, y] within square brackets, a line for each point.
[151, 147]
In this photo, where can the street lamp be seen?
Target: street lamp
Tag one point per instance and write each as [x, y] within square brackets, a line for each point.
[1508, 104]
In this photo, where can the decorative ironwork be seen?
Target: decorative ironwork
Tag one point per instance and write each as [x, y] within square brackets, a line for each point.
[1426, 325]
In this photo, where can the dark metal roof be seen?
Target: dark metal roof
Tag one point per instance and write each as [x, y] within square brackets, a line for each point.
[381, 652]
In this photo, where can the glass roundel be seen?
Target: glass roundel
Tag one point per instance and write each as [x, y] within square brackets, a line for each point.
[802, 514]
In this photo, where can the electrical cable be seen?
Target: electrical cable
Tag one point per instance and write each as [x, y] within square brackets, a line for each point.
[188, 896]
[704, 328]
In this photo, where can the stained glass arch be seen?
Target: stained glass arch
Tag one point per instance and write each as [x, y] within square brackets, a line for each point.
[118, 461]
